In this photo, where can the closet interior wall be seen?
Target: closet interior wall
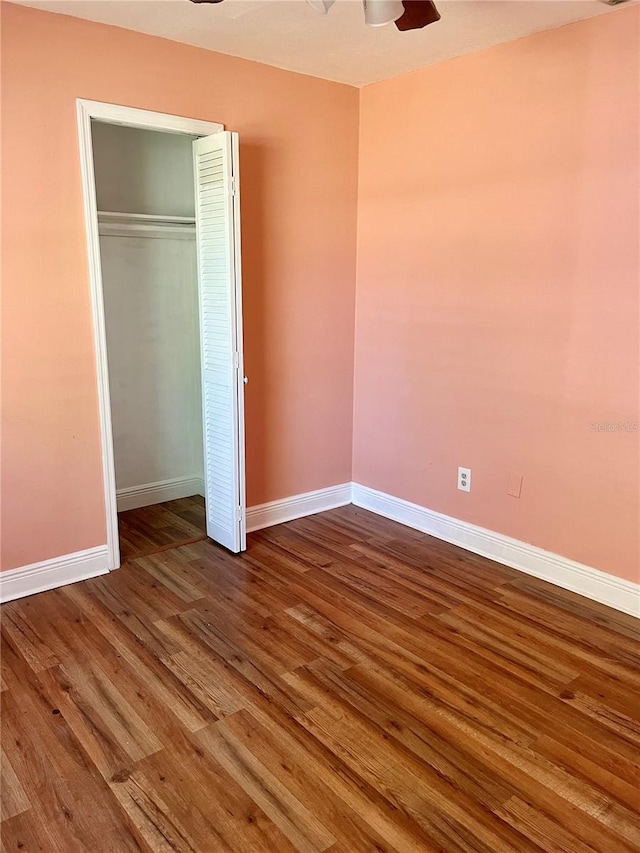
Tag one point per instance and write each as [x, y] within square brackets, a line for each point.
[144, 189]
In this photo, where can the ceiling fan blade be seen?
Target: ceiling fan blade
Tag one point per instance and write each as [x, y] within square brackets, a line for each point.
[417, 14]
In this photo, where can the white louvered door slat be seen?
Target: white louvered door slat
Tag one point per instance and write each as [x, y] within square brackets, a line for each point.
[218, 239]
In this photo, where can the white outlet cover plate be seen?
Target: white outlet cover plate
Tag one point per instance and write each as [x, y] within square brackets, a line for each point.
[464, 479]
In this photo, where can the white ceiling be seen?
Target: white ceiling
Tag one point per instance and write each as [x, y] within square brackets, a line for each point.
[338, 46]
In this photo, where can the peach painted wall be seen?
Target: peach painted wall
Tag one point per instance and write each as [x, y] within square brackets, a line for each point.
[497, 288]
[299, 149]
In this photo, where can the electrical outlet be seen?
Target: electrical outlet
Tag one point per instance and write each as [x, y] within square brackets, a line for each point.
[464, 479]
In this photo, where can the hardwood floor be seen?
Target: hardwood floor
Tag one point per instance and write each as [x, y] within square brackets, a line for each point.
[346, 685]
[155, 528]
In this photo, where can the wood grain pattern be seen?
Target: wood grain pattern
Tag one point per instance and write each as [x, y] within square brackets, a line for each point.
[347, 685]
[159, 527]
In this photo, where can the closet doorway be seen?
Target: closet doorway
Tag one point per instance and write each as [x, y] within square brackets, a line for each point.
[163, 228]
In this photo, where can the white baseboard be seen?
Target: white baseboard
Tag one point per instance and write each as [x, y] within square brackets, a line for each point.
[287, 509]
[38, 577]
[617, 593]
[157, 493]
[561, 571]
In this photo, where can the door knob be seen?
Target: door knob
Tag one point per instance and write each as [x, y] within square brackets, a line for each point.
[245, 379]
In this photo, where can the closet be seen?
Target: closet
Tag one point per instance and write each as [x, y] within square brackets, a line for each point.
[162, 216]
[146, 216]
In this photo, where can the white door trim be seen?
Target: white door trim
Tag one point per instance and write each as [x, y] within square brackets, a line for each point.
[147, 119]
[114, 114]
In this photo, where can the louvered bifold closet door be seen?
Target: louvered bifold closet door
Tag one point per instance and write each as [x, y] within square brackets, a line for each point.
[218, 241]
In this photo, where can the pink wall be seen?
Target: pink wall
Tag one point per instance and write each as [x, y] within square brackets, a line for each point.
[497, 288]
[497, 281]
[299, 220]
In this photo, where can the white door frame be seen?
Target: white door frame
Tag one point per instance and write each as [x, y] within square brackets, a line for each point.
[131, 117]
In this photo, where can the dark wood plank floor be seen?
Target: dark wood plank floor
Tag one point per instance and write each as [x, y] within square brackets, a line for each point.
[346, 685]
[150, 529]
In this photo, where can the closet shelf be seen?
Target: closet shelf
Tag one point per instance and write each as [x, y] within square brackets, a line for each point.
[147, 217]
[113, 224]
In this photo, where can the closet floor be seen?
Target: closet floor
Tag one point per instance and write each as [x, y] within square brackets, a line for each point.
[155, 528]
